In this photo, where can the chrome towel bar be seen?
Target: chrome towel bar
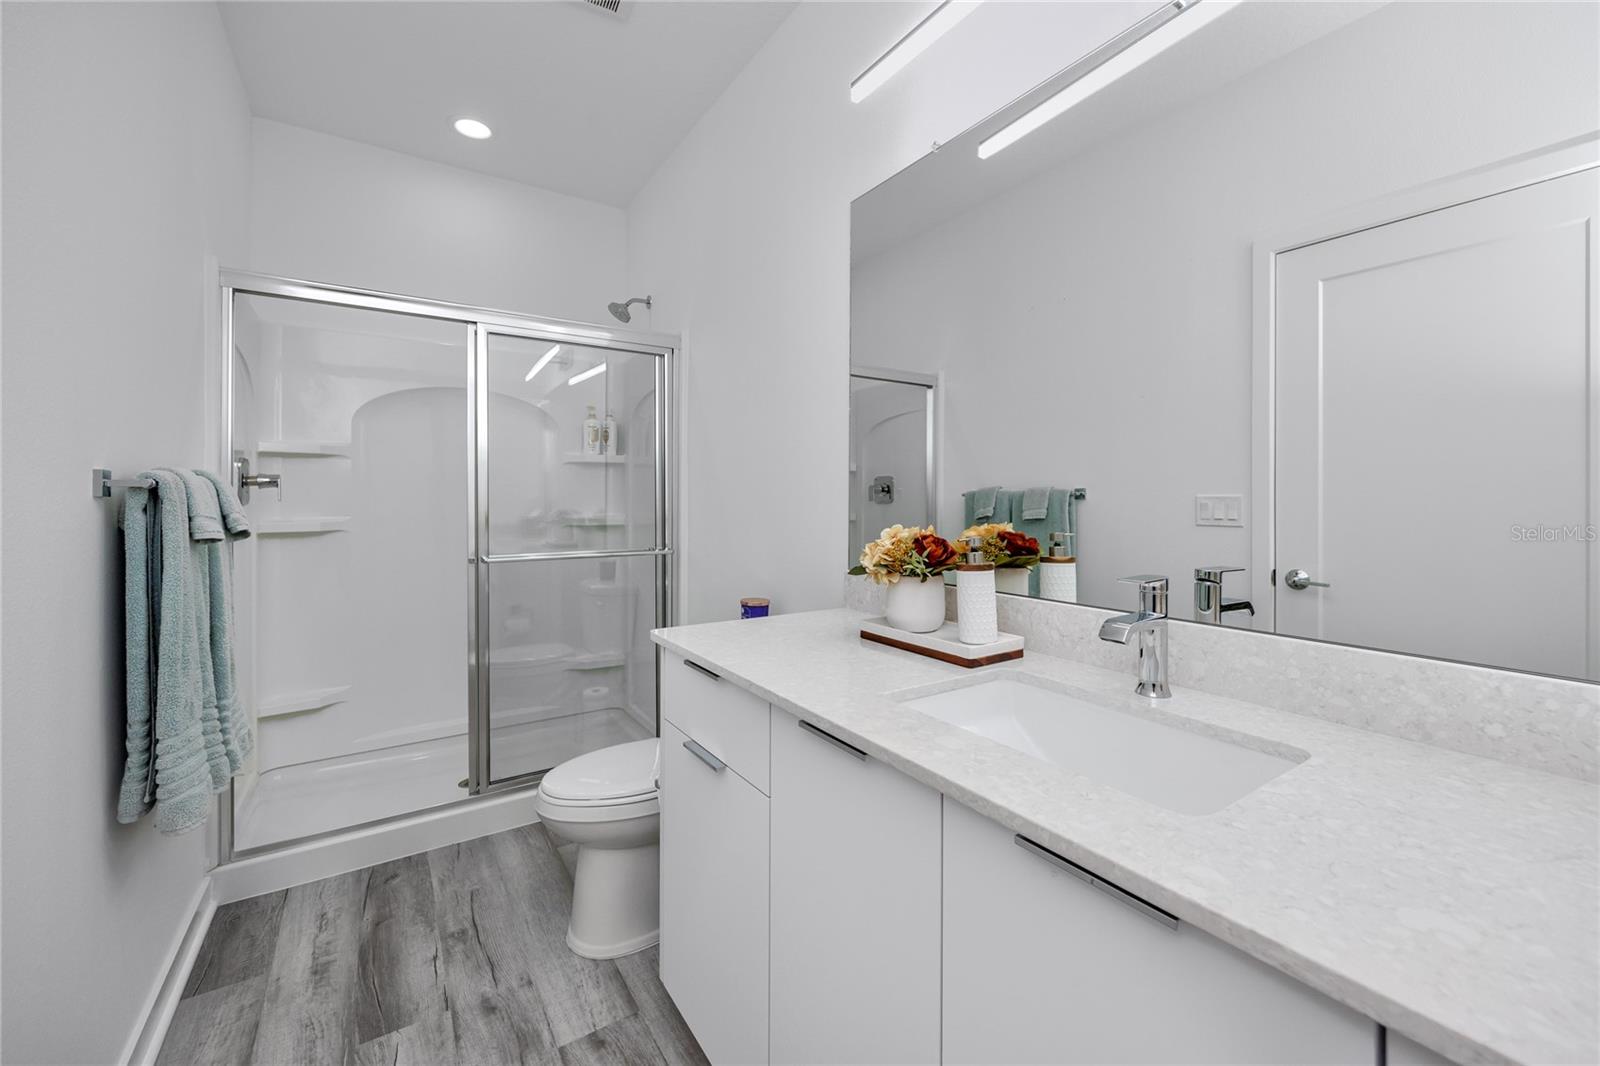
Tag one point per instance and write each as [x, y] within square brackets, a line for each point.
[101, 483]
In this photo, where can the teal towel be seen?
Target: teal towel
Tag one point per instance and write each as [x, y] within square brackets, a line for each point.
[233, 516]
[205, 513]
[185, 734]
[984, 505]
[1035, 504]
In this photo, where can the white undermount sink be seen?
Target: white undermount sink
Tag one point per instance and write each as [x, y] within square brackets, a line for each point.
[1182, 770]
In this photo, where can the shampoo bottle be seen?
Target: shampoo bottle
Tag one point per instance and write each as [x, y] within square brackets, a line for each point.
[591, 434]
[1058, 571]
[610, 443]
[975, 602]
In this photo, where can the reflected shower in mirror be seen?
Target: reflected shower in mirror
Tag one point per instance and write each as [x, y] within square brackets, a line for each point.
[1306, 302]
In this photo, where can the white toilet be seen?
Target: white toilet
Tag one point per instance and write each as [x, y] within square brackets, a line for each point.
[606, 803]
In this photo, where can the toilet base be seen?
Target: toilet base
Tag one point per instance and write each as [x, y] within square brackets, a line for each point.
[616, 907]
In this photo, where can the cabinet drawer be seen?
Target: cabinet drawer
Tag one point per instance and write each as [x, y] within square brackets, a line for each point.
[714, 902]
[1040, 966]
[720, 716]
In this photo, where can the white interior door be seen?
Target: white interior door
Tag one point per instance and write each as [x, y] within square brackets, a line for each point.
[1436, 409]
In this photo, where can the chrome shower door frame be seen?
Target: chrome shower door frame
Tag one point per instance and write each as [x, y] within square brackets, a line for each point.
[480, 778]
[479, 324]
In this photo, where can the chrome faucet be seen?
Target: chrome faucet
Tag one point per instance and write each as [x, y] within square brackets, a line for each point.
[1209, 603]
[1149, 624]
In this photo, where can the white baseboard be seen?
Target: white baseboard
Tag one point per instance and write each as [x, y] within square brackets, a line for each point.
[340, 853]
[144, 1043]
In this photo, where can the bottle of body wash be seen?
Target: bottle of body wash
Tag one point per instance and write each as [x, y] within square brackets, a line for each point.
[591, 434]
[1058, 571]
[610, 443]
[975, 602]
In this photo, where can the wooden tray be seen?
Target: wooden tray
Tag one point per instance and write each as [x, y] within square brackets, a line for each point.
[942, 644]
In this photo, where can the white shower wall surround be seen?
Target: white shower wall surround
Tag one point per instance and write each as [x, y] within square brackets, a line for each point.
[1541, 723]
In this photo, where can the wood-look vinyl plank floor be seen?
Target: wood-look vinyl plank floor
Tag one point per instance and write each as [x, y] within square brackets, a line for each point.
[457, 956]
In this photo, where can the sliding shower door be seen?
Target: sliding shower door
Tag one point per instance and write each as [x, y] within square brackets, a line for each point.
[460, 549]
[571, 539]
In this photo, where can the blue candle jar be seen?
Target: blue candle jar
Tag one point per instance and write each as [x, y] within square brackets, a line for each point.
[754, 607]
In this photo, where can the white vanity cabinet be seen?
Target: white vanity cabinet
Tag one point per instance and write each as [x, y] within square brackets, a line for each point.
[714, 861]
[855, 904]
[1041, 965]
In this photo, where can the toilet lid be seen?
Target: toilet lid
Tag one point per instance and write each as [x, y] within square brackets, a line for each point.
[613, 773]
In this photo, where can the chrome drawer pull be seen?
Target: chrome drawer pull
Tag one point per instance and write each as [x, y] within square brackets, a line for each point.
[1121, 895]
[704, 756]
[703, 670]
[831, 739]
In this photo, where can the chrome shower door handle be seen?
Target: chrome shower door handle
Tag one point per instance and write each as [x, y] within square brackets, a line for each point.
[1298, 579]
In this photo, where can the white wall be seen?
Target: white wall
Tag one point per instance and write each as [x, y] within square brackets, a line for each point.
[743, 237]
[126, 148]
[1095, 324]
[327, 209]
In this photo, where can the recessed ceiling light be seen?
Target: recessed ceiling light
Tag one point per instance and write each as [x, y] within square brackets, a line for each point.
[471, 127]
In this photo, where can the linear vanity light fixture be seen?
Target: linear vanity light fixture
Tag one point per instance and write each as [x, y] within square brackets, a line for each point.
[1150, 38]
[910, 47]
[587, 374]
[544, 361]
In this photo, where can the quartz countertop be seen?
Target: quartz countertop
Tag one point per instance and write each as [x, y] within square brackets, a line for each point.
[1452, 898]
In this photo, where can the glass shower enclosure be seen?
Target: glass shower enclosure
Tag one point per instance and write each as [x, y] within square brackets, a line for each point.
[461, 545]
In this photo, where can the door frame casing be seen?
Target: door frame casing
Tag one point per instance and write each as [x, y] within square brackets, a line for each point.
[1544, 164]
[478, 323]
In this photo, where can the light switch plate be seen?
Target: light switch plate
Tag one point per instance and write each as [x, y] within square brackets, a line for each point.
[1219, 510]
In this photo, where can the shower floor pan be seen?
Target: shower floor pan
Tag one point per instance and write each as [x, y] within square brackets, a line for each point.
[310, 798]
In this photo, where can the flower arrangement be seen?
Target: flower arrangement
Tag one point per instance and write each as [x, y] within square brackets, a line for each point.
[906, 551]
[1004, 546]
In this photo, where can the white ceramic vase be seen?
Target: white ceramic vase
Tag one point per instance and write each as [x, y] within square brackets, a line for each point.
[916, 606]
[1013, 580]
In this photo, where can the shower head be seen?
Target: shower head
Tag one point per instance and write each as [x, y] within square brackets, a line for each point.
[620, 311]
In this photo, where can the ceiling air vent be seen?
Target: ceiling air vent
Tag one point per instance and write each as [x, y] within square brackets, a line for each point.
[610, 7]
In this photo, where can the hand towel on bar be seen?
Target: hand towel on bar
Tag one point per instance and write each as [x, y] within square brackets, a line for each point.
[232, 514]
[984, 505]
[1035, 503]
[185, 735]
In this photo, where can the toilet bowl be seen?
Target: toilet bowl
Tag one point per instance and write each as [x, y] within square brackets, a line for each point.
[606, 803]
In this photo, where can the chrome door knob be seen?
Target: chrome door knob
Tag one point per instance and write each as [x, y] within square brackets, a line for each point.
[1299, 579]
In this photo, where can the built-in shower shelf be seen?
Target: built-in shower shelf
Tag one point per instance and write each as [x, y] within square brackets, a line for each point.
[312, 699]
[304, 526]
[339, 449]
[583, 457]
[586, 521]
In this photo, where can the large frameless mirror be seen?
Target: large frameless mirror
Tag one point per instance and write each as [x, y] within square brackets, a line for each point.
[1304, 303]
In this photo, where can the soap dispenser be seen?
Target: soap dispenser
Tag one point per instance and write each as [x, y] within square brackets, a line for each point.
[1058, 574]
[975, 600]
[591, 434]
